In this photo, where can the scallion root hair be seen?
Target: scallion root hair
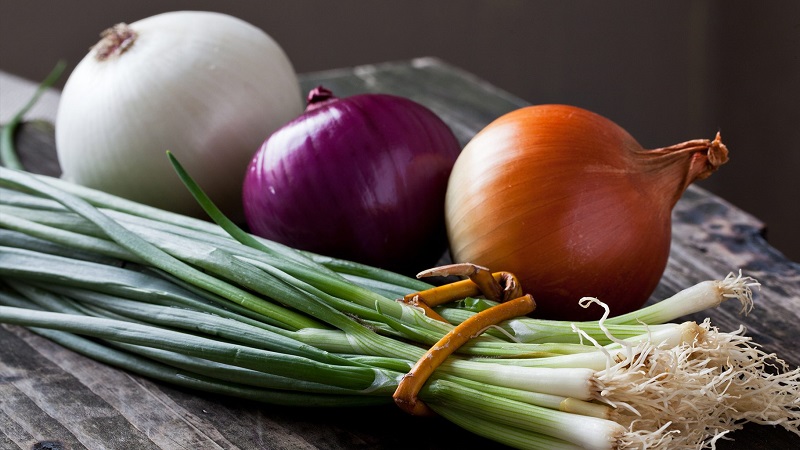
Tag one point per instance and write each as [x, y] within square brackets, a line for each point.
[696, 392]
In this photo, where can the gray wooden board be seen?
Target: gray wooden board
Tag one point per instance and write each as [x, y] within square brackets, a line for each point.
[53, 398]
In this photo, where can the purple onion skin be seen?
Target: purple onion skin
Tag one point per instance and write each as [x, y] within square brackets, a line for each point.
[362, 178]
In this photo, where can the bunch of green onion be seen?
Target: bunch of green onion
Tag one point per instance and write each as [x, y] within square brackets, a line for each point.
[215, 309]
[212, 308]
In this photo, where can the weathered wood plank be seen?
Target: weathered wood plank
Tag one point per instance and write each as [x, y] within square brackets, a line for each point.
[464, 102]
[48, 393]
[47, 378]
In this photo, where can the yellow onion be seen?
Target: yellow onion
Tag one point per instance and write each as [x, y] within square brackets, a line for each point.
[572, 205]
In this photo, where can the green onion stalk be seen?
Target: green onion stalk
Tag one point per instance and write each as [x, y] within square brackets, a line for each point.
[8, 155]
[210, 307]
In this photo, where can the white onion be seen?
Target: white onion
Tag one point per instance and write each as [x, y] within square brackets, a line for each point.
[207, 86]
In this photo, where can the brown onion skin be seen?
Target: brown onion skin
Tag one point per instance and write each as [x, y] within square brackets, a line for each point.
[572, 205]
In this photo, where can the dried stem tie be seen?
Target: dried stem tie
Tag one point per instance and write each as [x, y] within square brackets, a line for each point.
[500, 286]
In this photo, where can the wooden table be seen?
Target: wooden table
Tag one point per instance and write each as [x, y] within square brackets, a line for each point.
[51, 398]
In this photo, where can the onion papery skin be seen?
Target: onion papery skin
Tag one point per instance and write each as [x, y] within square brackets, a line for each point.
[361, 178]
[206, 86]
[572, 205]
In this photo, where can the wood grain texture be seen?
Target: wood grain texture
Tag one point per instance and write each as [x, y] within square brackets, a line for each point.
[51, 397]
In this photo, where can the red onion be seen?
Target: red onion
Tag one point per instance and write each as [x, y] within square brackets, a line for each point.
[361, 178]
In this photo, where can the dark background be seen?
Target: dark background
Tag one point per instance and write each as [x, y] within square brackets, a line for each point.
[665, 71]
